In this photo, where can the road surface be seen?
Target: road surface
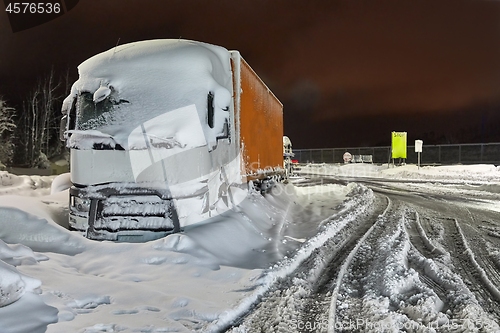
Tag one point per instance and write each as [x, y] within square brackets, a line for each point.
[416, 257]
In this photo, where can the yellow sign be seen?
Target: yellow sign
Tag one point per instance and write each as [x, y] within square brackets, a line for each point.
[398, 144]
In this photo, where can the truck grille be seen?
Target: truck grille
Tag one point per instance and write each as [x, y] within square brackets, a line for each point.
[122, 213]
[128, 212]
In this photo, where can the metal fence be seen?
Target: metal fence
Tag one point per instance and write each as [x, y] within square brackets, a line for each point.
[436, 154]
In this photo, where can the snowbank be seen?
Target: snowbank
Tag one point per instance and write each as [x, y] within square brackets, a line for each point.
[25, 185]
[451, 173]
[28, 221]
[60, 183]
[457, 173]
[21, 309]
[13, 285]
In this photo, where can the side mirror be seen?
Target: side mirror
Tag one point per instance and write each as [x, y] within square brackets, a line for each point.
[210, 109]
[63, 127]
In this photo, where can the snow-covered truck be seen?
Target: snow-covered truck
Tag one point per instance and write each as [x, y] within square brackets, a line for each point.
[287, 155]
[164, 134]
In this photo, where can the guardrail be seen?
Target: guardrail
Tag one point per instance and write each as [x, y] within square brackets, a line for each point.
[473, 153]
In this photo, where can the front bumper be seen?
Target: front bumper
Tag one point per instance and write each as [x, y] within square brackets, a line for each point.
[121, 213]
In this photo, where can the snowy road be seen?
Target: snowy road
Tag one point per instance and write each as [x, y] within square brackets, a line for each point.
[422, 257]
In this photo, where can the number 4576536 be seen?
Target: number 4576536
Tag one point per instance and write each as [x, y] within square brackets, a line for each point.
[33, 8]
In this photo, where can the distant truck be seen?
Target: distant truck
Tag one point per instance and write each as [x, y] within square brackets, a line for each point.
[287, 155]
[164, 134]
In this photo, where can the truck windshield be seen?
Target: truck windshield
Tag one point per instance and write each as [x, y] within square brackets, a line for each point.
[92, 115]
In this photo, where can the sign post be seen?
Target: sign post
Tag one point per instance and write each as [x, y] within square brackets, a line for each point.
[418, 149]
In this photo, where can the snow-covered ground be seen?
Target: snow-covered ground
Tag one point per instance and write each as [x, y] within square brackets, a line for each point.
[459, 174]
[271, 250]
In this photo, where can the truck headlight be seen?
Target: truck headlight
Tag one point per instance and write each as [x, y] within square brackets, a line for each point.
[82, 205]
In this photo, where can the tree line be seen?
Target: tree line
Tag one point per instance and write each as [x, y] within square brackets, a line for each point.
[29, 133]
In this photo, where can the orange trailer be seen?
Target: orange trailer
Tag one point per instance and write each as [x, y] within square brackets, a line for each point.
[259, 122]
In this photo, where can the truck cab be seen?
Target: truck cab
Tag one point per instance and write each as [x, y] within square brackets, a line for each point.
[155, 136]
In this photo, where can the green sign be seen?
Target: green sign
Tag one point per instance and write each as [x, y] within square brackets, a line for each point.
[398, 144]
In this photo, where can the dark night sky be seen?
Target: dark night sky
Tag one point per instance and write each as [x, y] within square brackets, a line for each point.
[348, 72]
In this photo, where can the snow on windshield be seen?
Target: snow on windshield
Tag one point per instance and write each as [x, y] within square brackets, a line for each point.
[168, 133]
[122, 88]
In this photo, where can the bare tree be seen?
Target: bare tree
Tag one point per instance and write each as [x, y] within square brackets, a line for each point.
[7, 127]
[38, 125]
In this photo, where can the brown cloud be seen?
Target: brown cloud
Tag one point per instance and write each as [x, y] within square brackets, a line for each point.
[388, 56]
[330, 62]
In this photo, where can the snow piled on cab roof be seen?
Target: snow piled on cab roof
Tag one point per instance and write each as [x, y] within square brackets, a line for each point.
[158, 76]
[150, 59]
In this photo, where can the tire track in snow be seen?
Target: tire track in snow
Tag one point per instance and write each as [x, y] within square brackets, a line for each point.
[419, 238]
[480, 256]
[348, 261]
[448, 209]
[487, 271]
[390, 285]
[317, 309]
[385, 272]
[423, 248]
[289, 294]
[461, 257]
[439, 275]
